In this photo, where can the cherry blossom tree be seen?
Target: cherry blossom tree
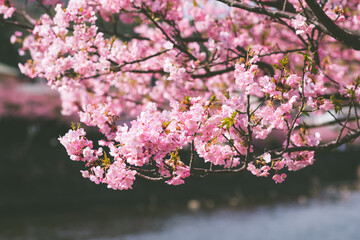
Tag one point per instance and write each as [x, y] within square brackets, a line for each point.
[221, 79]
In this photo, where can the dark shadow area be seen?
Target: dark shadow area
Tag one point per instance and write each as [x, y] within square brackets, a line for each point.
[9, 53]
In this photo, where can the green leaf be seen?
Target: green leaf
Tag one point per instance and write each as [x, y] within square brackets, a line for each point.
[229, 121]
[284, 62]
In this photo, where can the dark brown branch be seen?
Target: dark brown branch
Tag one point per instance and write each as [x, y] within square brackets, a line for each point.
[283, 52]
[280, 4]
[194, 39]
[259, 10]
[326, 147]
[343, 36]
[325, 124]
[156, 24]
[192, 150]
[145, 71]
[118, 68]
[249, 136]
[214, 73]
[17, 24]
[322, 21]
[340, 123]
[149, 178]
[202, 171]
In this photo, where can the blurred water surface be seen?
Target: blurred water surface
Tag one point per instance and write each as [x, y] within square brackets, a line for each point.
[333, 216]
[318, 219]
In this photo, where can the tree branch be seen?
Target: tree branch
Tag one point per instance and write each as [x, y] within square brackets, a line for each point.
[328, 146]
[343, 36]
[260, 10]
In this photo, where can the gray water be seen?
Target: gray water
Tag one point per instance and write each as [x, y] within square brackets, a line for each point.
[316, 220]
[333, 215]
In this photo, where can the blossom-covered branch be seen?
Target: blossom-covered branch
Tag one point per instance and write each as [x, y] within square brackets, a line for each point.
[241, 86]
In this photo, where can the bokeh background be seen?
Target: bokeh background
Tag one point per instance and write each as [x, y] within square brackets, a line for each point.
[43, 196]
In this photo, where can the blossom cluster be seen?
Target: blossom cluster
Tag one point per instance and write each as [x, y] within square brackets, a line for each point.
[214, 80]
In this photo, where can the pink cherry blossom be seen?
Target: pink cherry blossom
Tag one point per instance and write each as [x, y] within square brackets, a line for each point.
[225, 83]
[279, 178]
